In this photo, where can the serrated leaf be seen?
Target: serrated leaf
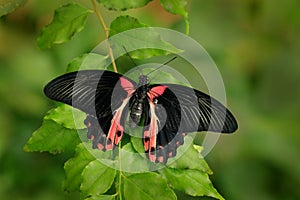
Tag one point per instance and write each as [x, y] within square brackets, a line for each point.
[52, 137]
[97, 178]
[74, 167]
[7, 6]
[192, 182]
[124, 23]
[65, 115]
[147, 186]
[138, 41]
[123, 5]
[101, 197]
[88, 61]
[177, 7]
[190, 159]
[68, 20]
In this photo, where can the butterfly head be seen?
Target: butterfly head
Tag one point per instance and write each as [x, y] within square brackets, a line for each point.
[143, 80]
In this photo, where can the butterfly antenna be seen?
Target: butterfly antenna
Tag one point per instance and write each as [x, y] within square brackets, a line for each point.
[161, 66]
[141, 72]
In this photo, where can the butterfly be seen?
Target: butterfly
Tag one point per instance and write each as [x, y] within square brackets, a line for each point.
[168, 112]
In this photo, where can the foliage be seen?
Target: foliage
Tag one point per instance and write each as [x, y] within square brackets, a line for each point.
[58, 132]
[9, 6]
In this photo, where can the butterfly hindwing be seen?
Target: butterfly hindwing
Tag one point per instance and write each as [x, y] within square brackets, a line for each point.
[180, 110]
[103, 95]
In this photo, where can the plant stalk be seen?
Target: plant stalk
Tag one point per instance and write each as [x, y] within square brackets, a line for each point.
[106, 31]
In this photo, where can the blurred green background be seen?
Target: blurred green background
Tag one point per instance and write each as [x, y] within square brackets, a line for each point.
[254, 43]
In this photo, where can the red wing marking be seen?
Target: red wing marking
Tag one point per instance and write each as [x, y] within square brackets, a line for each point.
[150, 135]
[127, 86]
[116, 130]
[156, 92]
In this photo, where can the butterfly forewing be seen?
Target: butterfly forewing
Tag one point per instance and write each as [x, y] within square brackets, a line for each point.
[190, 110]
[89, 90]
[100, 94]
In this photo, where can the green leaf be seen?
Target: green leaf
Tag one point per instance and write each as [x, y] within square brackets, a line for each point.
[7, 6]
[97, 178]
[147, 186]
[192, 182]
[101, 197]
[136, 40]
[137, 144]
[123, 5]
[177, 7]
[132, 161]
[68, 20]
[75, 166]
[52, 137]
[124, 23]
[190, 159]
[88, 61]
[65, 115]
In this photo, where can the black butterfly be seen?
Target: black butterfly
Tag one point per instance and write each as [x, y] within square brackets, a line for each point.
[168, 111]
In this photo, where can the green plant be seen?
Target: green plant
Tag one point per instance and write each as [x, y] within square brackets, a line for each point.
[58, 133]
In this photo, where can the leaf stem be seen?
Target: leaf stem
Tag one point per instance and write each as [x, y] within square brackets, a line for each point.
[120, 173]
[106, 30]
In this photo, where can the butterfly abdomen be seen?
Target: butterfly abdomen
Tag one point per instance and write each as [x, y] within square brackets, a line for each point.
[137, 106]
[136, 112]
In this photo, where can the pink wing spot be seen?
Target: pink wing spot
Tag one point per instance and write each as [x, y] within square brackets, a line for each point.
[156, 91]
[127, 86]
[109, 146]
[100, 146]
[146, 145]
[160, 159]
[152, 157]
